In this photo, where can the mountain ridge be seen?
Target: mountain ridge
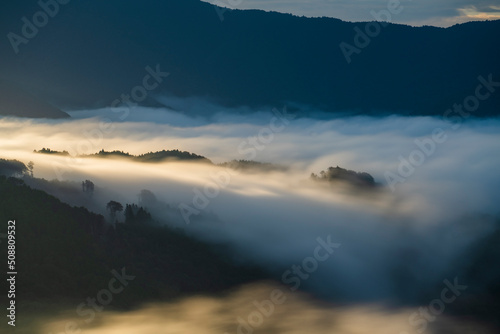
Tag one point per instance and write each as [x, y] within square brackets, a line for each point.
[252, 58]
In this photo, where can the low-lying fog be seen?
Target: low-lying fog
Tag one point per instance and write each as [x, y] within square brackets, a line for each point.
[247, 310]
[439, 195]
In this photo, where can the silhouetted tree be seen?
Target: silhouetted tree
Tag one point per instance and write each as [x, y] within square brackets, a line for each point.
[143, 217]
[88, 187]
[30, 166]
[113, 208]
[129, 214]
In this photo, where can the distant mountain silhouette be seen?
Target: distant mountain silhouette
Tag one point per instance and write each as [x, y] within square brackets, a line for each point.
[93, 51]
[16, 102]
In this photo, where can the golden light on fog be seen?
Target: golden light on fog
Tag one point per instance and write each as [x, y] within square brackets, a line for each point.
[237, 312]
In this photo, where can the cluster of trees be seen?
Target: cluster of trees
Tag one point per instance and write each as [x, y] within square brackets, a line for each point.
[49, 151]
[104, 154]
[334, 174]
[134, 214]
[147, 157]
[15, 168]
[170, 154]
[137, 215]
[152, 156]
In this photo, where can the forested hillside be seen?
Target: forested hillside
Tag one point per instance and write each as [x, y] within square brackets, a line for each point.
[68, 253]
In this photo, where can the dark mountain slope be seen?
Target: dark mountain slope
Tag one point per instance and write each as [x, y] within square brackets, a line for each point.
[67, 253]
[16, 102]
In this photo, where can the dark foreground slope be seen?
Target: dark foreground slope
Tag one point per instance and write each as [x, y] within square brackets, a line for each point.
[66, 253]
[92, 52]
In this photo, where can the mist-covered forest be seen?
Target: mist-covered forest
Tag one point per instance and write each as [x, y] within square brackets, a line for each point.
[247, 166]
[70, 251]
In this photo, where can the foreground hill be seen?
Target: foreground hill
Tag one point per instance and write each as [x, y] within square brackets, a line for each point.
[250, 58]
[67, 253]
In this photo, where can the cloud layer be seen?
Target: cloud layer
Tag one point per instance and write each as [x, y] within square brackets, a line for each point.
[240, 312]
[276, 218]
